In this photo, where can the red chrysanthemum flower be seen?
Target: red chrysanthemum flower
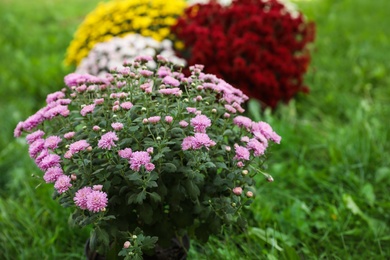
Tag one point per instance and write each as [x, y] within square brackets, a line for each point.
[257, 46]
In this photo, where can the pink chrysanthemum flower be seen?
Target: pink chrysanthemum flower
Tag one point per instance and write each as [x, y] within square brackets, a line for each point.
[78, 146]
[200, 123]
[146, 73]
[164, 71]
[18, 129]
[95, 128]
[168, 119]
[187, 143]
[266, 130]
[230, 109]
[138, 159]
[242, 153]
[62, 184]
[98, 101]
[200, 140]
[149, 167]
[107, 140]
[255, 146]
[52, 174]
[117, 126]
[97, 187]
[243, 121]
[154, 119]
[171, 91]
[36, 147]
[125, 153]
[50, 160]
[52, 142]
[80, 198]
[150, 150]
[183, 123]
[97, 201]
[168, 80]
[54, 96]
[34, 136]
[191, 110]
[87, 109]
[126, 105]
[42, 155]
[69, 135]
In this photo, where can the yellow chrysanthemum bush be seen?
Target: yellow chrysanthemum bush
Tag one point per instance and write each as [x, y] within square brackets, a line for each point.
[150, 18]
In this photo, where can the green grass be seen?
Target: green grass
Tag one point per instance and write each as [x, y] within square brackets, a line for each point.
[332, 172]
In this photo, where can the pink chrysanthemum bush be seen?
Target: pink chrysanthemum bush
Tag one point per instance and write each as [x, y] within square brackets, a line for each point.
[148, 155]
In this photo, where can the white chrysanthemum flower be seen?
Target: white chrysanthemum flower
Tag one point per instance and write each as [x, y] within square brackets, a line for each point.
[110, 55]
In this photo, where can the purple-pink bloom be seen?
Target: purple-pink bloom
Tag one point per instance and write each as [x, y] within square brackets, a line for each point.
[62, 184]
[183, 123]
[191, 110]
[150, 150]
[87, 109]
[171, 91]
[117, 126]
[80, 198]
[200, 140]
[18, 129]
[54, 96]
[230, 109]
[242, 153]
[187, 143]
[34, 136]
[52, 142]
[50, 160]
[97, 187]
[168, 80]
[107, 140]
[33, 121]
[255, 146]
[200, 123]
[163, 72]
[149, 167]
[266, 130]
[168, 119]
[138, 159]
[154, 119]
[78, 146]
[146, 73]
[42, 155]
[125, 153]
[36, 147]
[52, 174]
[69, 135]
[143, 58]
[98, 101]
[97, 201]
[243, 121]
[126, 105]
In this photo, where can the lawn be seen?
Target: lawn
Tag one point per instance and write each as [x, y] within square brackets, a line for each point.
[329, 199]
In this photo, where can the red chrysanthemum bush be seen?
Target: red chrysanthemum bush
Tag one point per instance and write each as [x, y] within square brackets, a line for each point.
[258, 46]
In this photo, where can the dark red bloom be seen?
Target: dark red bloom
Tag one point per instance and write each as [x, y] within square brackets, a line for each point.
[254, 45]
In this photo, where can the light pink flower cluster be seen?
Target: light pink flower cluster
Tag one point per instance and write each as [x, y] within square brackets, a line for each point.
[92, 199]
[107, 140]
[138, 159]
[197, 141]
[200, 123]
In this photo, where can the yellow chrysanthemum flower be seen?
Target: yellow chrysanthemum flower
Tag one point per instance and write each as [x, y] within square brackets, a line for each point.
[122, 17]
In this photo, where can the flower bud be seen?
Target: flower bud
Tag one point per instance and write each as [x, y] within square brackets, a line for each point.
[234, 204]
[249, 194]
[240, 164]
[158, 138]
[237, 191]
[145, 121]
[270, 179]
[127, 244]
[73, 177]
[213, 110]
[143, 109]
[134, 236]
[244, 172]
[228, 148]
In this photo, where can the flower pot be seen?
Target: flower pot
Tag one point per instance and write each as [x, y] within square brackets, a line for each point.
[177, 251]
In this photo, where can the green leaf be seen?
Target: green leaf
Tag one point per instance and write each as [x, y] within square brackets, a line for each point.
[169, 167]
[192, 189]
[152, 184]
[368, 192]
[154, 196]
[209, 165]
[351, 205]
[133, 129]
